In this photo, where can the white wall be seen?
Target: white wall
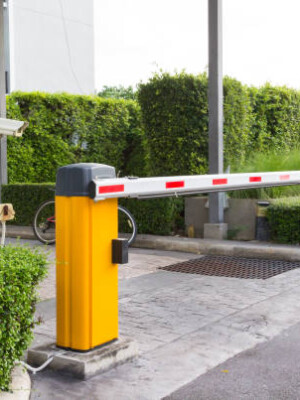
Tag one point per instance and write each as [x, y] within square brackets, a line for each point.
[52, 45]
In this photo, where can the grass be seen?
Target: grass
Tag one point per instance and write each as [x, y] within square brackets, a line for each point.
[269, 163]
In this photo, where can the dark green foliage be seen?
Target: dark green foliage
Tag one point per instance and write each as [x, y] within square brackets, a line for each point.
[276, 112]
[69, 128]
[174, 112]
[44, 145]
[118, 92]
[238, 122]
[154, 216]
[26, 198]
[112, 132]
[136, 153]
[284, 220]
[175, 116]
[64, 129]
[21, 269]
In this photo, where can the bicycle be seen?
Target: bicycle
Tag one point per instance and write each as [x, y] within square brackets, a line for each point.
[44, 223]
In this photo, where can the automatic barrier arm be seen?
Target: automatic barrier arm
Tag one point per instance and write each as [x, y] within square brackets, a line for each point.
[101, 189]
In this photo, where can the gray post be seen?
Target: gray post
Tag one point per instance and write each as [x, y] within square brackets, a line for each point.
[3, 153]
[215, 106]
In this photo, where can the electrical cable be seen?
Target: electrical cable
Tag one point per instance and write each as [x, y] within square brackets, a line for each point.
[37, 369]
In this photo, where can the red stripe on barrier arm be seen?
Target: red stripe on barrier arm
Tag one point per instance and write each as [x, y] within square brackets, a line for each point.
[111, 189]
[284, 177]
[176, 184]
[220, 181]
[255, 179]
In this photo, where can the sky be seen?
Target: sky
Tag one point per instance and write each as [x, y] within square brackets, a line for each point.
[135, 38]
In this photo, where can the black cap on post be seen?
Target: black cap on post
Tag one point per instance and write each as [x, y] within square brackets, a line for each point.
[75, 179]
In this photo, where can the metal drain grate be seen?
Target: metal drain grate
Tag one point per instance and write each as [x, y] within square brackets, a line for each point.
[233, 267]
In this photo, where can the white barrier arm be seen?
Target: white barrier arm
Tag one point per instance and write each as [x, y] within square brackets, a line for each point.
[183, 185]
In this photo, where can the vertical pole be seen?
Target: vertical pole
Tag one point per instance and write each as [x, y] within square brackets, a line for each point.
[6, 45]
[3, 145]
[215, 106]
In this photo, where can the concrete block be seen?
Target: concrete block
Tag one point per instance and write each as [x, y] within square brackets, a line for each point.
[84, 365]
[215, 231]
[240, 217]
[196, 215]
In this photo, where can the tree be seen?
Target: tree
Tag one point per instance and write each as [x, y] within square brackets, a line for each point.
[118, 92]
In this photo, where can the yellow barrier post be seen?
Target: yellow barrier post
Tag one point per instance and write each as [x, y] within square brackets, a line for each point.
[87, 280]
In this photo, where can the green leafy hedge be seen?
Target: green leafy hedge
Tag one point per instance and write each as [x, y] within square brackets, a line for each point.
[175, 117]
[26, 198]
[148, 213]
[21, 269]
[284, 220]
[156, 216]
[164, 133]
[276, 123]
[65, 128]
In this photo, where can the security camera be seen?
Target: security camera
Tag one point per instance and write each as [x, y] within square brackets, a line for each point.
[12, 127]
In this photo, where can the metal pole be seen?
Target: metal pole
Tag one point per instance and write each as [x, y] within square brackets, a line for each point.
[6, 46]
[3, 143]
[215, 106]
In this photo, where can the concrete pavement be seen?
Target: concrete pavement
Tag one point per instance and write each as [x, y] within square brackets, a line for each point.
[185, 325]
[269, 371]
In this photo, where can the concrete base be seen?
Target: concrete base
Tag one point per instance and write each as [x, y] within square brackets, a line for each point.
[240, 217]
[84, 365]
[215, 231]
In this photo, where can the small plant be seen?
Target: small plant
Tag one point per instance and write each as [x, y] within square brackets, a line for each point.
[233, 232]
[21, 269]
[284, 220]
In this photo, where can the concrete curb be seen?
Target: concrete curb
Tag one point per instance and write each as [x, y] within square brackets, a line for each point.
[21, 385]
[15, 231]
[219, 247]
[197, 246]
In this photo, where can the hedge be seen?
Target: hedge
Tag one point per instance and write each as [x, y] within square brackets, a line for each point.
[284, 220]
[68, 128]
[26, 198]
[276, 123]
[21, 269]
[157, 216]
[165, 134]
[65, 128]
[175, 117]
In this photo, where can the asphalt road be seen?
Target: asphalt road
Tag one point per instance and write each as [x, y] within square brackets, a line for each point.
[269, 371]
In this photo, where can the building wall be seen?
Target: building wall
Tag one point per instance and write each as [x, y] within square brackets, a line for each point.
[52, 45]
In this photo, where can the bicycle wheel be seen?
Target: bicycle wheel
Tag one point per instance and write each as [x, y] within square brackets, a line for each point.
[127, 225]
[44, 222]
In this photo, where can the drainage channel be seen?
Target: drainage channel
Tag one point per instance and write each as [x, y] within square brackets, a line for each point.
[233, 267]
